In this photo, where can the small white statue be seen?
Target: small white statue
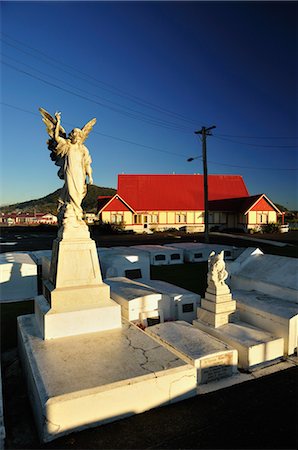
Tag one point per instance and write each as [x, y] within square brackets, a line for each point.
[75, 167]
[217, 273]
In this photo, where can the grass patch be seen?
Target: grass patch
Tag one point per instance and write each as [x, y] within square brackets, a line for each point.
[9, 313]
[192, 276]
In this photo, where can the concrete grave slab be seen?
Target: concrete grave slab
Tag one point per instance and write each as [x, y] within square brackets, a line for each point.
[18, 277]
[84, 381]
[271, 314]
[183, 303]
[255, 346]
[161, 255]
[212, 358]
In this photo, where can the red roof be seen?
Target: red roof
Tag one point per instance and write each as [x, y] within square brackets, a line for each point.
[177, 192]
[242, 205]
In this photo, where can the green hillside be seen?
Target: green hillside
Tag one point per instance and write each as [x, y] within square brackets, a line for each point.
[49, 202]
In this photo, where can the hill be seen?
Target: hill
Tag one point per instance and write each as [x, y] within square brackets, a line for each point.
[49, 202]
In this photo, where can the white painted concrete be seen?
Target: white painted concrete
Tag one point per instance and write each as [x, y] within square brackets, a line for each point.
[124, 262]
[161, 255]
[183, 303]
[271, 274]
[198, 252]
[88, 380]
[18, 277]
[136, 298]
[52, 324]
[212, 358]
[272, 314]
[254, 346]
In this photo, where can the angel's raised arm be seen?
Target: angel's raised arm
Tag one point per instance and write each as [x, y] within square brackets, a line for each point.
[51, 123]
[57, 136]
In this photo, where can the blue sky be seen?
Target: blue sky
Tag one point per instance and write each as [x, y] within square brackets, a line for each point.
[151, 73]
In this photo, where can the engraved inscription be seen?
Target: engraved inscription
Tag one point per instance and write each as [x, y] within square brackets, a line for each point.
[217, 367]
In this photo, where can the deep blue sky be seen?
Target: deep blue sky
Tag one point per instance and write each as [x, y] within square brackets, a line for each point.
[152, 73]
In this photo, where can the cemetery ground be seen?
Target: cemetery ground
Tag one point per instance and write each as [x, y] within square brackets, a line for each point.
[260, 413]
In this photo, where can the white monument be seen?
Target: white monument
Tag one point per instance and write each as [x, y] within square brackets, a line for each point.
[76, 300]
[84, 365]
[216, 317]
[217, 306]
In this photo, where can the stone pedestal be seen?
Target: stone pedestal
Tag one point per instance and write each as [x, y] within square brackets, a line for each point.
[217, 306]
[75, 300]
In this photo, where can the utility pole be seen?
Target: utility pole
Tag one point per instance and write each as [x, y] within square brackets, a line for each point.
[205, 132]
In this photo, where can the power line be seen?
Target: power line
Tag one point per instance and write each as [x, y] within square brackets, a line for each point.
[251, 167]
[103, 134]
[152, 122]
[256, 145]
[258, 137]
[111, 88]
[131, 97]
[155, 148]
[159, 122]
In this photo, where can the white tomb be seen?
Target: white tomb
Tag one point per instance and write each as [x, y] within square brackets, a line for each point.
[161, 255]
[83, 365]
[124, 262]
[198, 252]
[87, 380]
[272, 314]
[183, 303]
[255, 346]
[18, 277]
[271, 274]
[138, 301]
[212, 358]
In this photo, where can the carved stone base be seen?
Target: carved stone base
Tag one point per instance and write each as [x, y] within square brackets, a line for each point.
[75, 300]
[52, 324]
[217, 308]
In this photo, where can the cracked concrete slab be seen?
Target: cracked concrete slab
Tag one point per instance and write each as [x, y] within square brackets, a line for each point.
[83, 381]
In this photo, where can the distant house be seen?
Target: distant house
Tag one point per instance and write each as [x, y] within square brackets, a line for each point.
[27, 219]
[159, 202]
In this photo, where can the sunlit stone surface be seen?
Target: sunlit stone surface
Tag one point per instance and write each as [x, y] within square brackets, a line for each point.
[212, 358]
[84, 381]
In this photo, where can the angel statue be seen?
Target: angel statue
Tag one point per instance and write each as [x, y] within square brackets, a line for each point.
[217, 273]
[73, 158]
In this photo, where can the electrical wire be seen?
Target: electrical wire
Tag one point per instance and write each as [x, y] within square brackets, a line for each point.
[158, 121]
[112, 89]
[158, 149]
[255, 145]
[103, 134]
[152, 122]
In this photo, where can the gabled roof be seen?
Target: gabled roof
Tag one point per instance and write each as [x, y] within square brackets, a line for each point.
[112, 203]
[241, 205]
[177, 192]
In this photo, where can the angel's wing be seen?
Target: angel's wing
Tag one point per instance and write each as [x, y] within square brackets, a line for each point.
[87, 128]
[50, 123]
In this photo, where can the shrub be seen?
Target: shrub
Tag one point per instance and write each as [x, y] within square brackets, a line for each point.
[270, 228]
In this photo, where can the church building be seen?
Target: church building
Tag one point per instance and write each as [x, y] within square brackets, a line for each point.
[160, 202]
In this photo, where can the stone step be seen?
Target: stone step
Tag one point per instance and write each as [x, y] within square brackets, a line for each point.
[255, 346]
